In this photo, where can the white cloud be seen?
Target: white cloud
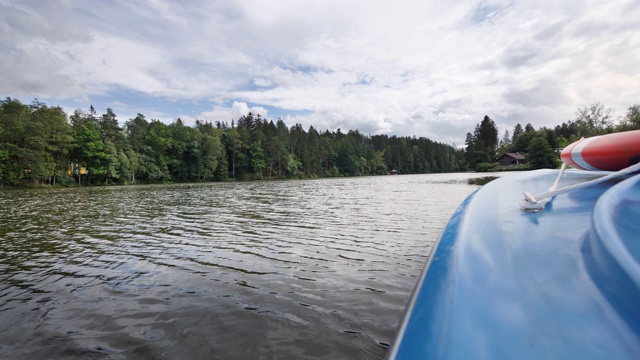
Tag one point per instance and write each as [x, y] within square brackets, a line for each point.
[118, 104]
[234, 112]
[408, 67]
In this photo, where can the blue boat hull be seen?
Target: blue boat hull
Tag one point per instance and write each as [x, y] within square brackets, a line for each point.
[502, 283]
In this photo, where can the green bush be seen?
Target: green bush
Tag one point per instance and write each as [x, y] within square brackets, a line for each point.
[484, 167]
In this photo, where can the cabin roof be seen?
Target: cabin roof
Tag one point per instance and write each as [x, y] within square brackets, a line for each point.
[516, 156]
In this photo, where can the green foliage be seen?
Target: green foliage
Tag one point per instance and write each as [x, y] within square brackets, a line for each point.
[485, 167]
[94, 149]
[522, 142]
[377, 165]
[481, 180]
[513, 168]
[631, 120]
[486, 136]
[540, 145]
[517, 131]
[593, 120]
[89, 150]
[504, 144]
[65, 180]
[11, 172]
[482, 145]
[34, 142]
[541, 155]
[125, 168]
[40, 144]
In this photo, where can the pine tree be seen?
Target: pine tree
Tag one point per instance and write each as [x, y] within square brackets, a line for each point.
[540, 154]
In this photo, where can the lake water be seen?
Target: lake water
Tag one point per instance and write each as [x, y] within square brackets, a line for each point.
[302, 269]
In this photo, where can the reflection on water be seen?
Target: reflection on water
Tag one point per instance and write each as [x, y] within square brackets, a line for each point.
[484, 180]
[287, 269]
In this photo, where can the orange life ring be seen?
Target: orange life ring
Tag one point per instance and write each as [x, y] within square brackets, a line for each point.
[611, 152]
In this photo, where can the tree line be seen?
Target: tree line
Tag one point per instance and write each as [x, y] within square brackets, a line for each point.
[482, 147]
[41, 144]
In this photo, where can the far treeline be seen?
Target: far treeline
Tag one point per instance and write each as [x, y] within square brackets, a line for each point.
[540, 146]
[40, 144]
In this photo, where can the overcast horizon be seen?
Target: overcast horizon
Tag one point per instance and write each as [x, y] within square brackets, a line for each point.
[409, 68]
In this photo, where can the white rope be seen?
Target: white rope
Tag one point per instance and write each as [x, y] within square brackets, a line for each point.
[555, 183]
[535, 203]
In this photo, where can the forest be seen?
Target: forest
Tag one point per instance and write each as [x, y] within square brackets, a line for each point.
[42, 145]
[482, 147]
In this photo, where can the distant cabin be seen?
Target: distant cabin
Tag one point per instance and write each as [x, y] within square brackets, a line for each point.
[512, 159]
[393, 172]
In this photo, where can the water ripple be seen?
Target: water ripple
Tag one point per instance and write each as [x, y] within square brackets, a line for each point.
[284, 269]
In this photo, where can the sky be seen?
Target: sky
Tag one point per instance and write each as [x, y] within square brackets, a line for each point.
[421, 68]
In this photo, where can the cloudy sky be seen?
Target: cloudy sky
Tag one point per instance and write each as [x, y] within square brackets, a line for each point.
[425, 67]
